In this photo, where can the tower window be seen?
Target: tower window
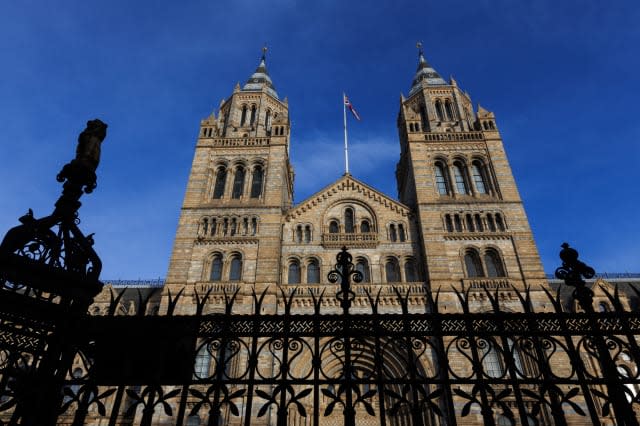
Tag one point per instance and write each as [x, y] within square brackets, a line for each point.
[499, 222]
[393, 236]
[439, 110]
[348, 220]
[267, 121]
[472, 264]
[448, 223]
[333, 227]
[469, 220]
[205, 226]
[401, 233]
[363, 266]
[478, 177]
[243, 117]
[448, 109]
[313, 272]
[457, 222]
[234, 227]
[392, 270]
[479, 226]
[235, 272]
[423, 116]
[441, 180]
[256, 182]
[238, 183]
[293, 277]
[461, 182]
[491, 223]
[245, 226]
[221, 179]
[493, 263]
[253, 115]
[410, 271]
[365, 227]
[216, 268]
[298, 234]
[254, 226]
[307, 234]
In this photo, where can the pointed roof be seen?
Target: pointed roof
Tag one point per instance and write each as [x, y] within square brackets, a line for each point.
[260, 78]
[425, 73]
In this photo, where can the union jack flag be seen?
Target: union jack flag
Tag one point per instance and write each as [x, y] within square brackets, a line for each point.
[351, 108]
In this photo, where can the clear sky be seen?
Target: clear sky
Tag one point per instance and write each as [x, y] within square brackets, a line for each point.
[561, 77]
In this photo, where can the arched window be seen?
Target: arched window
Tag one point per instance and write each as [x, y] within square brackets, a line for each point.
[363, 266]
[457, 222]
[448, 223]
[365, 227]
[477, 169]
[473, 264]
[253, 115]
[423, 116]
[439, 110]
[205, 226]
[313, 272]
[393, 235]
[448, 110]
[235, 272]
[479, 226]
[461, 182]
[410, 274]
[293, 277]
[298, 238]
[193, 421]
[221, 179]
[216, 268]
[225, 226]
[254, 226]
[348, 220]
[245, 226]
[493, 263]
[234, 227]
[238, 183]
[214, 226]
[401, 233]
[333, 227]
[202, 363]
[491, 223]
[307, 234]
[256, 182]
[491, 362]
[392, 270]
[267, 121]
[441, 179]
[469, 221]
[499, 222]
[243, 117]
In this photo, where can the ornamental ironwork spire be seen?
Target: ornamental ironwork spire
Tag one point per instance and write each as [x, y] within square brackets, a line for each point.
[260, 78]
[425, 74]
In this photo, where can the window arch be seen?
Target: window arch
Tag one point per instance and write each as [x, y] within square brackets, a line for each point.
[216, 268]
[392, 270]
[472, 264]
[491, 362]
[365, 226]
[235, 270]
[202, 363]
[393, 235]
[460, 177]
[478, 172]
[348, 220]
[490, 223]
[469, 220]
[439, 112]
[307, 234]
[499, 222]
[410, 274]
[401, 234]
[253, 115]
[221, 179]
[441, 179]
[479, 225]
[238, 183]
[313, 272]
[448, 223]
[298, 234]
[267, 121]
[243, 116]
[423, 116]
[293, 275]
[362, 265]
[334, 228]
[448, 109]
[256, 182]
[457, 222]
[493, 264]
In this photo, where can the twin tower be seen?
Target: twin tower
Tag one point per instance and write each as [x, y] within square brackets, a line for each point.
[459, 220]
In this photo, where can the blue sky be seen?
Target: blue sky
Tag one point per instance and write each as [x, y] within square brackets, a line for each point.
[561, 76]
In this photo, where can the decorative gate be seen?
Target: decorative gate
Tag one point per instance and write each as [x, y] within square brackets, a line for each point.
[60, 365]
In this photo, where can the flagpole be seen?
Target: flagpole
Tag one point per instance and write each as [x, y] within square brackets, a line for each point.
[346, 147]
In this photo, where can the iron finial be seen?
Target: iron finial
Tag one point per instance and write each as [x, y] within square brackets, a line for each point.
[419, 46]
[264, 52]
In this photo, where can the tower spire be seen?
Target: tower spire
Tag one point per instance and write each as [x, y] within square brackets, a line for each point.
[260, 78]
[425, 72]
